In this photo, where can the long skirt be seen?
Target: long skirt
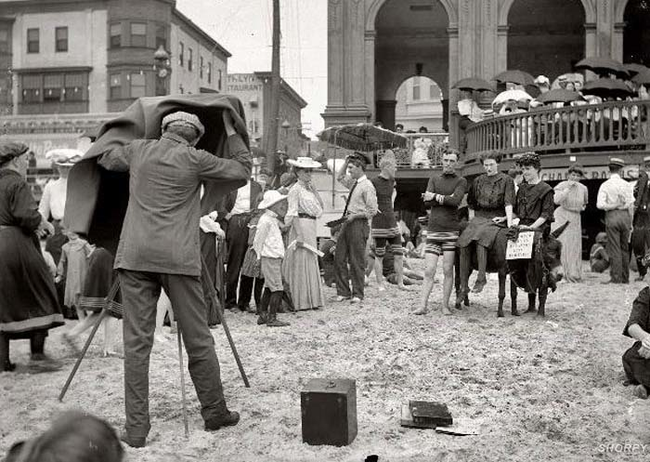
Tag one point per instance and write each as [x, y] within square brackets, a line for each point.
[637, 368]
[28, 300]
[571, 240]
[301, 271]
[481, 230]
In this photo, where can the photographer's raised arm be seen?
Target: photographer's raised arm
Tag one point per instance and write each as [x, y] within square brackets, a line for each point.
[237, 163]
[117, 159]
[343, 176]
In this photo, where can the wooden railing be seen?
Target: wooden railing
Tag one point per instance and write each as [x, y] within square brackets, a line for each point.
[607, 126]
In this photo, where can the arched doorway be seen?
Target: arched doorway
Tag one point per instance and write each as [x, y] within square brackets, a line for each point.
[636, 36]
[419, 104]
[411, 39]
[546, 36]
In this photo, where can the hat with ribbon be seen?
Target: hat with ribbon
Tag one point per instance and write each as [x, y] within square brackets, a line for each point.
[64, 157]
[10, 150]
[616, 161]
[304, 162]
[185, 118]
[270, 198]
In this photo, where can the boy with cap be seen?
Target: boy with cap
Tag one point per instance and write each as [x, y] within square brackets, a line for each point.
[269, 247]
[360, 207]
[616, 198]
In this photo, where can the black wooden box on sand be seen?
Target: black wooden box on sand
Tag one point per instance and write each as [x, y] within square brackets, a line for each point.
[329, 412]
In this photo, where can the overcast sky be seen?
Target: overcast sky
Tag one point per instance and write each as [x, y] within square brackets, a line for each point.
[244, 27]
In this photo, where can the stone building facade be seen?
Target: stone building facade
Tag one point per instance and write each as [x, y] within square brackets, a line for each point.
[375, 45]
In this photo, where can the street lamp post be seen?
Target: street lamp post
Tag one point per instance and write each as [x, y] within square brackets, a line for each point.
[162, 67]
[285, 126]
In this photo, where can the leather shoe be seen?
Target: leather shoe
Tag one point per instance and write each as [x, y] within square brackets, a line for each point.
[227, 420]
[134, 442]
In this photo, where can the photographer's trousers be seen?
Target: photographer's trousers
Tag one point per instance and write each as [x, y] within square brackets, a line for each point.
[140, 292]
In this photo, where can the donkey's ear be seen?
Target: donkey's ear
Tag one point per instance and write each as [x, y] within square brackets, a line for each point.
[14, 452]
[558, 232]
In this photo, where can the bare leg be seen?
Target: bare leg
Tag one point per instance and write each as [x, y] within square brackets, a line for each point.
[431, 261]
[448, 279]
[379, 272]
[399, 269]
[110, 329]
[481, 279]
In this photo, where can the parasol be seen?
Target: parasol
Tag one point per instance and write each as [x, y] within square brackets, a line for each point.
[602, 65]
[642, 78]
[511, 95]
[473, 83]
[515, 76]
[362, 137]
[635, 68]
[560, 95]
[607, 88]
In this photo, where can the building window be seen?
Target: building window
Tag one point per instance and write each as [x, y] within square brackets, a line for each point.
[219, 81]
[209, 72]
[115, 86]
[181, 54]
[116, 35]
[138, 85]
[189, 60]
[201, 67]
[73, 89]
[416, 89]
[4, 39]
[32, 40]
[138, 34]
[161, 36]
[31, 85]
[52, 87]
[61, 37]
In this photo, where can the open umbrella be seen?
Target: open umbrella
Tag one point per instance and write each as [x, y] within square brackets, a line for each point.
[635, 68]
[511, 95]
[642, 78]
[362, 137]
[473, 83]
[559, 95]
[607, 88]
[602, 65]
[515, 76]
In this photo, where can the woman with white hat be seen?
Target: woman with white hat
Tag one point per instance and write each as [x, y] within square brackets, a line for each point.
[301, 262]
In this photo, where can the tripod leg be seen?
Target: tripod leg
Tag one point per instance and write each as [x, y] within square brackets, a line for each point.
[111, 296]
[222, 318]
[180, 362]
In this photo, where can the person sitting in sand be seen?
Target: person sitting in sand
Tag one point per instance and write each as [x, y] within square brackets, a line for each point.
[636, 360]
[598, 256]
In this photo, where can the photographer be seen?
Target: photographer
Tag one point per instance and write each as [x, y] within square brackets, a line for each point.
[159, 247]
[636, 360]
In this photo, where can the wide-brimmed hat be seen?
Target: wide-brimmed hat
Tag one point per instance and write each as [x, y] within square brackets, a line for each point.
[270, 198]
[616, 161]
[64, 157]
[304, 162]
[10, 150]
[184, 118]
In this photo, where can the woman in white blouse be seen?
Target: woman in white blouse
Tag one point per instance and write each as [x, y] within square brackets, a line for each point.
[300, 268]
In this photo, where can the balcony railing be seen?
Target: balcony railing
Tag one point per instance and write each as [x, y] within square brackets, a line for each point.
[607, 126]
[423, 151]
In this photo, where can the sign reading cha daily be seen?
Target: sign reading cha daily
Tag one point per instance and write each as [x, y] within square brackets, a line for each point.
[591, 173]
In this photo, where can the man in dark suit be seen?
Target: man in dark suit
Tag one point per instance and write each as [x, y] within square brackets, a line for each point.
[237, 209]
[641, 220]
[159, 247]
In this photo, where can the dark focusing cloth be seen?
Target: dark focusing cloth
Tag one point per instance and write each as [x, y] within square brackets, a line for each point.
[488, 196]
[28, 300]
[637, 369]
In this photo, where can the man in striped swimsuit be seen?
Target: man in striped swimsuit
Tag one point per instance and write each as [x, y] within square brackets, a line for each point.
[444, 193]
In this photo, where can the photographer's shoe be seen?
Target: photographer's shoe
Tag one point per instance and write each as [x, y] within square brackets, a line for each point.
[134, 442]
[228, 420]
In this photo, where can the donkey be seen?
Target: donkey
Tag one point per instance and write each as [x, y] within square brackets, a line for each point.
[535, 275]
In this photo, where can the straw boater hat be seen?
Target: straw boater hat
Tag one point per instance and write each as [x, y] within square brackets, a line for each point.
[270, 198]
[64, 157]
[304, 162]
[616, 161]
[184, 118]
[11, 150]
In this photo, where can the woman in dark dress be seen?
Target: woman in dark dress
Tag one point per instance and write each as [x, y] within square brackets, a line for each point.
[534, 205]
[490, 200]
[28, 301]
[636, 360]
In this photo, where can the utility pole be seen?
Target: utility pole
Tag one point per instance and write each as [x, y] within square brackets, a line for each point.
[274, 114]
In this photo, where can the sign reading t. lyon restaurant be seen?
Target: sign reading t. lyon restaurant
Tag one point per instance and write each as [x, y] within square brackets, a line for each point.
[243, 82]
